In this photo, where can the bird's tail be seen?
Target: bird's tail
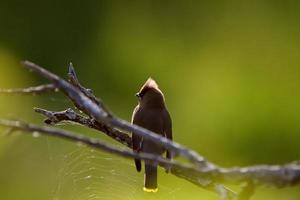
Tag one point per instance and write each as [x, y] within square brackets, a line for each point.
[150, 184]
[138, 164]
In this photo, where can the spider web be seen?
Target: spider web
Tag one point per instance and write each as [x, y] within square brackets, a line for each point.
[90, 174]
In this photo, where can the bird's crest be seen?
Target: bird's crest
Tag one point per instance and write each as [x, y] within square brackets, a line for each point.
[149, 84]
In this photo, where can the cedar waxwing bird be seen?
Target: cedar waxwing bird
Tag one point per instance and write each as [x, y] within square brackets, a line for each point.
[151, 113]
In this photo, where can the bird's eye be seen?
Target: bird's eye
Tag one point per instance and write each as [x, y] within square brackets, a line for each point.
[140, 94]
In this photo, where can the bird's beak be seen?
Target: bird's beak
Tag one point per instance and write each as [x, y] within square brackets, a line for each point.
[137, 95]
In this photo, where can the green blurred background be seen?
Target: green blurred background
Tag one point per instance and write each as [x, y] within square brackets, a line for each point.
[230, 71]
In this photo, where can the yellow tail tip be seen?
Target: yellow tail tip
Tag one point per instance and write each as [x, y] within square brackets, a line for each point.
[150, 189]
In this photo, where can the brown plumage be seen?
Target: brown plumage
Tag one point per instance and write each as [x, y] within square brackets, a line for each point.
[152, 114]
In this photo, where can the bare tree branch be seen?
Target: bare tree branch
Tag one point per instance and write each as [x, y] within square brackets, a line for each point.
[180, 170]
[276, 175]
[30, 128]
[40, 89]
[93, 110]
[200, 172]
[71, 115]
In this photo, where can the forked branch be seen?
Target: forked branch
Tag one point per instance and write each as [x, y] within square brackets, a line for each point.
[199, 171]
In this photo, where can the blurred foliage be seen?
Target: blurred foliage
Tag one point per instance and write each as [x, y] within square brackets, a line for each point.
[229, 70]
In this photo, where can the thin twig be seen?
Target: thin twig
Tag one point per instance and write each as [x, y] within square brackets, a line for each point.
[40, 89]
[71, 115]
[86, 91]
[74, 81]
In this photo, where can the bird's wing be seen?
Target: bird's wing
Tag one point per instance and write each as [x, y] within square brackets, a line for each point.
[136, 140]
[168, 129]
